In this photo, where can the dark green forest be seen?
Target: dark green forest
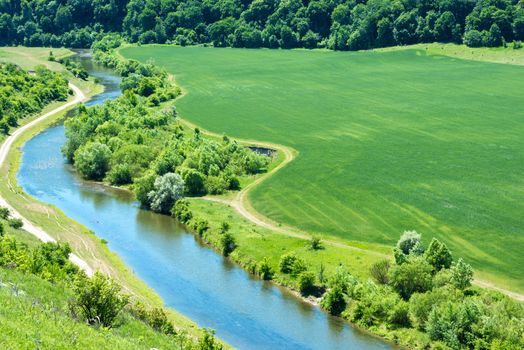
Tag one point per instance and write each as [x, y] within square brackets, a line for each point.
[333, 24]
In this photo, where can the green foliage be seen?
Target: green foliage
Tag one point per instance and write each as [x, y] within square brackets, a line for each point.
[414, 275]
[227, 243]
[264, 269]
[334, 301]
[306, 282]
[23, 94]
[421, 304]
[438, 255]
[92, 160]
[15, 223]
[98, 299]
[181, 211]
[379, 271]
[208, 341]
[167, 189]
[4, 213]
[156, 318]
[315, 243]
[461, 274]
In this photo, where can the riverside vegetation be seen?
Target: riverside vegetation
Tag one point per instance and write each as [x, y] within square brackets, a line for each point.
[39, 285]
[135, 140]
[334, 24]
[23, 94]
[423, 299]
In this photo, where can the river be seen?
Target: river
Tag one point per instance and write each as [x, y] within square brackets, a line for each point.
[246, 312]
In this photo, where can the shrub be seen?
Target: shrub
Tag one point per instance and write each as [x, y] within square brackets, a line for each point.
[199, 225]
[167, 190]
[379, 271]
[4, 213]
[2, 230]
[334, 301]
[306, 282]
[408, 244]
[224, 227]
[181, 211]
[119, 175]
[286, 262]
[399, 315]
[421, 304]
[264, 269]
[16, 223]
[315, 243]
[411, 277]
[208, 341]
[98, 299]
[438, 255]
[92, 160]
[228, 244]
[461, 274]
[156, 318]
[343, 280]
[143, 186]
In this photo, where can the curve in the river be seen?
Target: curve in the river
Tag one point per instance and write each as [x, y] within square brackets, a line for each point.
[246, 312]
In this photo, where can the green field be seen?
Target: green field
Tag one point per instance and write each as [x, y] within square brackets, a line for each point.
[387, 141]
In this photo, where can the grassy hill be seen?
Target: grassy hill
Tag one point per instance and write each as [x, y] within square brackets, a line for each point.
[387, 141]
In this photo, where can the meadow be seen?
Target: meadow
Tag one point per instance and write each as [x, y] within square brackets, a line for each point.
[386, 141]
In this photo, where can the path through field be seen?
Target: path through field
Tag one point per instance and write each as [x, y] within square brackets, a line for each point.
[4, 151]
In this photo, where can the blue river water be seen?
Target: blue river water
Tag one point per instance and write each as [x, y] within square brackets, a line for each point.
[246, 312]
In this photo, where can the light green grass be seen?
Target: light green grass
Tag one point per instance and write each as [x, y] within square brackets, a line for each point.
[35, 316]
[256, 243]
[83, 242]
[387, 141]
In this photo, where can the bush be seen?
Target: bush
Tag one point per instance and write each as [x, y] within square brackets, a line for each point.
[4, 213]
[16, 223]
[438, 255]
[199, 225]
[2, 230]
[92, 160]
[98, 299]
[421, 304]
[228, 244]
[119, 175]
[167, 190]
[264, 269]
[181, 211]
[306, 282]
[156, 318]
[461, 274]
[399, 315]
[208, 341]
[379, 271]
[315, 243]
[408, 244]
[287, 262]
[334, 301]
[415, 275]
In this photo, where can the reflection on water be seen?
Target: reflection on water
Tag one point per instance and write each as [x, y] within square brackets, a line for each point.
[246, 312]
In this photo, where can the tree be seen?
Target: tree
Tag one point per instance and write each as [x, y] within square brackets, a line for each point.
[494, 37]
[264, 269]
[379, 271]
[438, 255]
[167, 189]
[315, 243]
[461, 274]
[228, 244]
[92, 160]
[473, 38]
[415, 275]
[334, 301]
[208, 341]
[408, 244]
[306, 282]
[194, 181]
[98, 299]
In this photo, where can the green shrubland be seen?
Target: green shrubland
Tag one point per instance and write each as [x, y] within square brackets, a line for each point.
[23, 94]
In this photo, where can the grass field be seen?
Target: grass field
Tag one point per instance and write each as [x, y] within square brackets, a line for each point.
[387, 141]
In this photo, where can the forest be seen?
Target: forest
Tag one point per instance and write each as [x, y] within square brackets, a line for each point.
[333, 24]
[23, 93]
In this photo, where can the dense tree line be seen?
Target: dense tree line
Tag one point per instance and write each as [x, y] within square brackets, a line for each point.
[136, 140]
[335, 24]
[22, 93]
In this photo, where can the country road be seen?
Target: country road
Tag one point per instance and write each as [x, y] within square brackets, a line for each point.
[4, 151]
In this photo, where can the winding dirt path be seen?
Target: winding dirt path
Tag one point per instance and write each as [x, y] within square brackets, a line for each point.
[241, 204]
[4, 151]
